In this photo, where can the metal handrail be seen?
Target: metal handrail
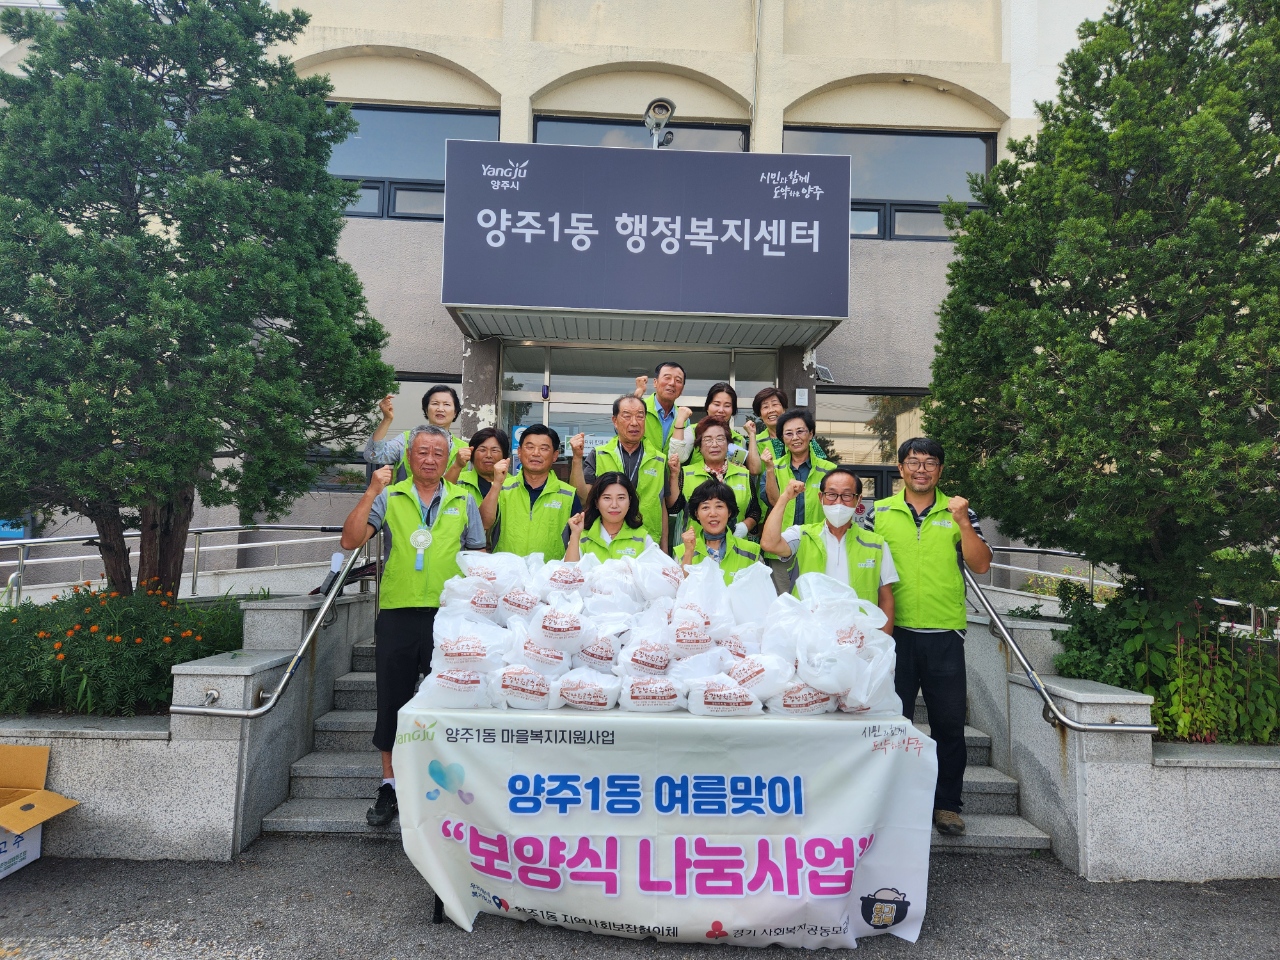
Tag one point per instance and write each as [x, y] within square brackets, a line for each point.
[1051, 712]
[268, 700]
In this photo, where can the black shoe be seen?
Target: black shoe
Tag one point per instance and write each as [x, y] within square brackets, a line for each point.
[385, 808]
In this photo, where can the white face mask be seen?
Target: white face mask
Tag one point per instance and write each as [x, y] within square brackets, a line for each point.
[837, 514]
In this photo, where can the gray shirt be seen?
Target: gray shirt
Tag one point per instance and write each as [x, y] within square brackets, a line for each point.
[472, 537]
[630, 464]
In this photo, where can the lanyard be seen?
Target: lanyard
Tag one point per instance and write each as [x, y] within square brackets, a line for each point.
[420, 539]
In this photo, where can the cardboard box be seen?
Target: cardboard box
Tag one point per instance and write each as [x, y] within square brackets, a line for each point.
[25, 805]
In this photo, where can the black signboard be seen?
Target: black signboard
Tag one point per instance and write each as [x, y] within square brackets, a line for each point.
[646, 231]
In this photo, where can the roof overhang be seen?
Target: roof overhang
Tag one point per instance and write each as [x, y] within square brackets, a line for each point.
[593, 326]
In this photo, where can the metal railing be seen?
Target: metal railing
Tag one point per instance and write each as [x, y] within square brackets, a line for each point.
[12, 593]
[1051, 712]
[265, 701]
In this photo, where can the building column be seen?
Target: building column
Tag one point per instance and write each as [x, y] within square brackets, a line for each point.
[481, 374]
[796, 372]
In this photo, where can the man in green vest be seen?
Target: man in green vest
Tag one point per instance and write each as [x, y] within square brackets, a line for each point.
[660, 406]
[429, 520]
[931, 535]
[833, 545]
[527, 513]
[656, 476]
[796, 428]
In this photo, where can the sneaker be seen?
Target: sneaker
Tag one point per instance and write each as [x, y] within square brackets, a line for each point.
[384, 807]
[948, 823]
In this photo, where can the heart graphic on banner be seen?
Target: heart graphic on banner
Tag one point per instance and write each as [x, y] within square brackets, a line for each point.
[450, 777]
[433, 794]
[466, 797]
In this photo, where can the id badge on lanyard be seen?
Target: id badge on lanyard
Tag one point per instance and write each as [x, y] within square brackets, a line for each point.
[420, 539]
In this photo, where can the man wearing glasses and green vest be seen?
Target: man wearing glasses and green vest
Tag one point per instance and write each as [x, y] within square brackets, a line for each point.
[931, 534]
[527, 513]
[429, 520]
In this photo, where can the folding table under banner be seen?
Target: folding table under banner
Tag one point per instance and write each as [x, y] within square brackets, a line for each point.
[751, 830]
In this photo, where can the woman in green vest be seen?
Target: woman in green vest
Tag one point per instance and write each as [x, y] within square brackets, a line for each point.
[721, 404]
[440, 406]
[477, 460]
[713, 509]
[710, 461]
[610, 526]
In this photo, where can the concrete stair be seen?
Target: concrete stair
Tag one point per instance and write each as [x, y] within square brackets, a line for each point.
[331, 788]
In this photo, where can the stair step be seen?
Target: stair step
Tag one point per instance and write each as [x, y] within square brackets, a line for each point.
[977, 744]
[357, 690]
[992, 833]
[345, 730]
[326, 816]
[362, 655]
[328, 774]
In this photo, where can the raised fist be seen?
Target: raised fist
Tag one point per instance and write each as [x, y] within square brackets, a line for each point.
[388, 408]
[683, 416]
[690, 538]
[794, 489]
[464, 456]
[577, 443]
[959, 509]
[766, 456]
[576, 522]
[673, 461]
[500, 470]
[380, 480]
[642, 384]
[749, 428]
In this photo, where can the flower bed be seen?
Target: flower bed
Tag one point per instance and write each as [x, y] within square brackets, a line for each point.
[94, 651]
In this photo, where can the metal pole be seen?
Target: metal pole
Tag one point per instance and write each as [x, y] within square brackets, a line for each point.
[195, 567]
[1092, 596]
[22, 567]
[277, 553]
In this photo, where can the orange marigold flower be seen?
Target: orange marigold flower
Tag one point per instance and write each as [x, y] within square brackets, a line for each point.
[58, 645]
[187, 633]
[164, 603]
[88, 583]
[94, 628]
[139, 640]
[71, 633]
[118, 638]
[150, 592]
[114, 593]
[76, 627]
[198, 638]
[102, 603]
[54, 597]
[168, 639]
[87, 610]
[14, 620]
[169, 594]
[62, 656]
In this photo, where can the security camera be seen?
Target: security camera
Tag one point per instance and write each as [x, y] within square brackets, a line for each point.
[667, 137]
[656, 116]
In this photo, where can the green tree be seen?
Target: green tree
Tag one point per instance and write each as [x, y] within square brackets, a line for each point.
[175, 319]
[1106, 377]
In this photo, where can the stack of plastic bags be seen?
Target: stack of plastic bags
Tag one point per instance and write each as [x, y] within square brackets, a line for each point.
[639, 635]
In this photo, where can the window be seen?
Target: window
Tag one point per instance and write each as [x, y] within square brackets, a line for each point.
[898, 180]
[632, 133]
[398, 157]
[865, 429]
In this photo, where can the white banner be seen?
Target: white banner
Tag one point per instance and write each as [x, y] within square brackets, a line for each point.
[800, 831]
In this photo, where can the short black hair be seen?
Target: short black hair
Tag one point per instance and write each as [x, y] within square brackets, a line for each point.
[923, 445]
[790, 415]
[617, 404]
[442, 388]
[722, 388]
[591, 509]
[657, 371]
[492, 433]
[843, 468]
[540, 430]
[765, 394]
[713, 490]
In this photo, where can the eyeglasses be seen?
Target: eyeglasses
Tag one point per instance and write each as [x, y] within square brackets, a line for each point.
[914, 464]
[848, 499]
[791, 435]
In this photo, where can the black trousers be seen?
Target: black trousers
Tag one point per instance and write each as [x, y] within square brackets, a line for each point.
[934, 663]
[403, 641]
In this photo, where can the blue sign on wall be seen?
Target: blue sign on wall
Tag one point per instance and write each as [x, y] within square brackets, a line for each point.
[646, 231]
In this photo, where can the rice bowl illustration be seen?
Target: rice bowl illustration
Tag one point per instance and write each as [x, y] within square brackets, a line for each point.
[884, 908]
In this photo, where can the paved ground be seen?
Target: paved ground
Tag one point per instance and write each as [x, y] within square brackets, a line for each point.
[334, 897]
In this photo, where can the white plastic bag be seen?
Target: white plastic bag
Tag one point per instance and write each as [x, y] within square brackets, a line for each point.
[763, 674]
[520, 687]
[872, 688]
[586, 689]
[644, 658]
[752, 594]
[560, 627]
[561, 575]
[656, 574]
[839, 614]
[802, 700]
[741, 640]
[829, 666]
[614, 576]
[788, 622]
[470, 596]
[719, 696]
[652, 694]
[602, 604]
[817, 588]
[688, 635]
[525, 651]
[704, 595]
[455, 690]
[715, 661]
[462, 643]
[503, 570]
[600, 654]
[517, 602]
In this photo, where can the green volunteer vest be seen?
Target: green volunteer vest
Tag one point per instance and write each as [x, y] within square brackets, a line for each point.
[525, 528]
[865, 553]
[628, 543]
[402, 585]
[930, 590]
[649, 481]
[812, 498]
[470, 479]
[653, 426]
[738, 554]
[738, 479]
[402, 468]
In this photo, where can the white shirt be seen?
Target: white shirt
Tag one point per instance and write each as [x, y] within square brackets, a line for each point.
[838, 558]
